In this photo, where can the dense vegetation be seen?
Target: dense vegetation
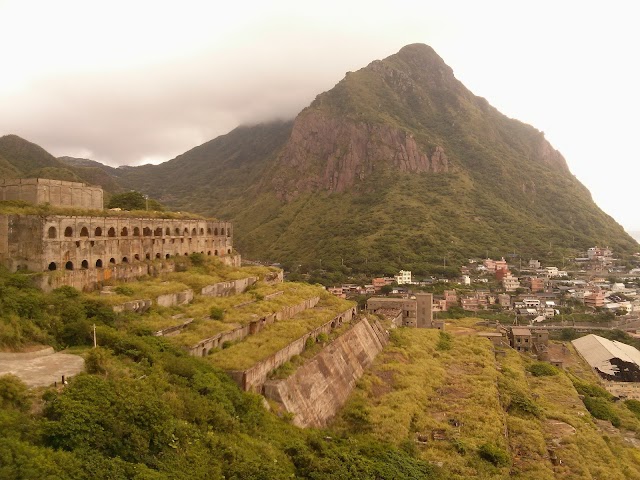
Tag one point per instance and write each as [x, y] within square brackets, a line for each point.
[146, 410]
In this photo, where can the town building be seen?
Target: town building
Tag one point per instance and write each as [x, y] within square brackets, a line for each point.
[417, 311]
[404, 277]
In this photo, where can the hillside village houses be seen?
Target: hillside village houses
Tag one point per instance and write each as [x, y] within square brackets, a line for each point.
[536, 294]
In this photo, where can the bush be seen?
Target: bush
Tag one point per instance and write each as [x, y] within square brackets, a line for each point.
[634, 406]
[542, 369]
[124, 290]
[14, 393]
[494, 455]
[216, 313]
[602, 409]
[444, 341]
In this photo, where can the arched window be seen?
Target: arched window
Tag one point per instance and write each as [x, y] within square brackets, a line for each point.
[125, 260]
[167, 231]
[53, 233]
[209, 253]
[146, 231]
[148, 256]
[167, 256]
[215, 231]
[124, 232]
[98, 232]
[229, 251]
[158, 255]
[209, 231]
[68, 265]
[85, 264]
[136, 256]
[158, 232]
[99, 263]
[186, 231]
[215, 252]
[112, 232]
[52, 266]
[177, 231]
[68, 232]
[136, 231]
[112, 260]
[202, 231]
[194, 232]
[84, 232]
[222, 231]
[228, 232]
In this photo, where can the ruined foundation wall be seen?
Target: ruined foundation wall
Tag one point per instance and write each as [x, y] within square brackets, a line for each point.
[319, 388]
[54, 192]
[254, 378]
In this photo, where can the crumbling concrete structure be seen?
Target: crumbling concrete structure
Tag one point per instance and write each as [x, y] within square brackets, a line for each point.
[54, 192]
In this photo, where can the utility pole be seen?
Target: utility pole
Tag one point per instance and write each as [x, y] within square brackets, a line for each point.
[95, 343]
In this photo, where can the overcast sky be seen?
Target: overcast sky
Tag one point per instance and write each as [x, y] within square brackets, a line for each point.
[131, 82]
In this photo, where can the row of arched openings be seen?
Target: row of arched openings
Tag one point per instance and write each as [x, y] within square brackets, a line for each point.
[99, 264]
[146, 232]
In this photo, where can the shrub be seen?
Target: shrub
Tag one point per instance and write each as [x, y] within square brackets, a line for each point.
[494, 455]
[602, 409]
[124, 290]
[444, 341]
[216, 313]
[634, 406]
[309, 342]
[542, 369]
[14, 393]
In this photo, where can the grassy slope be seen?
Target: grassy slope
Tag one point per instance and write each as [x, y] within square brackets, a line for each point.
[419, 384]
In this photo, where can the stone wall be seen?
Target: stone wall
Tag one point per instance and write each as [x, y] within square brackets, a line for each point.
[92, 279]
[54, 192]
[173, 299]
[254, 378]
[55, 242]
[316, 391]
[202, 348]
[226, 289]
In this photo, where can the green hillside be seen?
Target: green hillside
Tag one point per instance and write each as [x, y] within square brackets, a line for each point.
[20, 158]
[398, 165]
[433, 405]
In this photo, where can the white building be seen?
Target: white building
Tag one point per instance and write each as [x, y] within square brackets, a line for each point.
[404, 277]
[510, 283]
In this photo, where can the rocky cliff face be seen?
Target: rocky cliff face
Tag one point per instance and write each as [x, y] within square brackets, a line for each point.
[333, 153]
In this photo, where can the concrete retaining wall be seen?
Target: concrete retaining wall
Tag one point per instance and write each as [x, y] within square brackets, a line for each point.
[202, 348]
[226, 289]
[254, 378]
[138, 306]
[172, 299]
[317, 390]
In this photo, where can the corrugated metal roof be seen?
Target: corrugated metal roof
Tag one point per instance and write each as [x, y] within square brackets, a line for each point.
[598, 352]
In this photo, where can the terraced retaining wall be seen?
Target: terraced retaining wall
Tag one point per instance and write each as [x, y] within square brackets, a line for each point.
[254, 378]
[315, 392]
[202, 348]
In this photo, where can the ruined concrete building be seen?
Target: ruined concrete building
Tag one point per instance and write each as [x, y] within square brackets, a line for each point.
[96, 247]
[54, 192]
[416, 311]
[616, 363]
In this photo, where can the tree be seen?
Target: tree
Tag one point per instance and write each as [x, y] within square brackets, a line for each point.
[134, 201]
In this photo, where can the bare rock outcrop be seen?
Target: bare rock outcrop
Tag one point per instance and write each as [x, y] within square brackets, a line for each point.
[333, 153]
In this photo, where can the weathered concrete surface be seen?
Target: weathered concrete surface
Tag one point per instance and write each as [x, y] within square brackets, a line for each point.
[226, 289]
[317, 390]
[178, 298]
[254, 378]
[138, 306]
[40, 369]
